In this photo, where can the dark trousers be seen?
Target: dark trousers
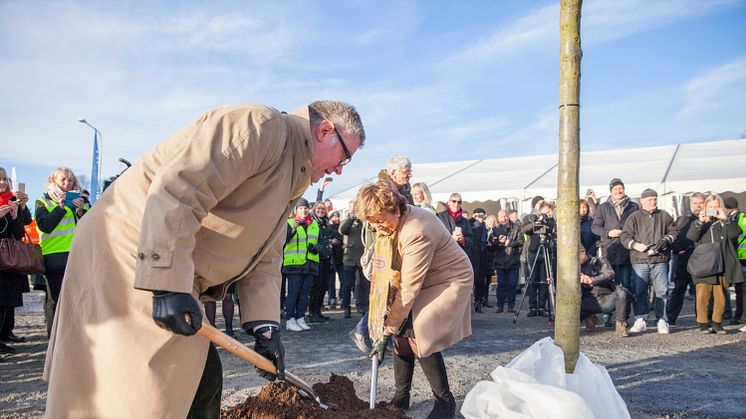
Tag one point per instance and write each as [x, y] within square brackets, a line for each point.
[54, 287]
[299, 288]
[614, 301]
[206, 403]
[320, 286]
[681, 284]
[507, 280]
[336, 275]
[537, 287]
[349, 274]
[8, 322]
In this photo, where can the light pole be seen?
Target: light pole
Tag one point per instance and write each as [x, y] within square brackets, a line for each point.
[97, 161]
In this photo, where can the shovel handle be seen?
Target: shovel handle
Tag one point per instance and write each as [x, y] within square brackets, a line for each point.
[236, 348]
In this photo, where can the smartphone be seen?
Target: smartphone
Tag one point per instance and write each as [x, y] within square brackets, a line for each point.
[711, 213]
[457, 230]
[588, 192]
[69, 197]
[328, 179]
[21, 187]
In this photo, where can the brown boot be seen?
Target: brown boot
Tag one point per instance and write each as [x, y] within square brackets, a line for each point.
[621, 330]
[590, 323]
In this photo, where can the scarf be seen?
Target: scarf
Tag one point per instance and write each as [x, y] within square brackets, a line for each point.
[619, 205]
[304, 221]
[455, 215]
[5, 196]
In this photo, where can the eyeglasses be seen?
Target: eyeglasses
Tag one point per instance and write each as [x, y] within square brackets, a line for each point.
[478, 215]
[456, 201]
[348, 156]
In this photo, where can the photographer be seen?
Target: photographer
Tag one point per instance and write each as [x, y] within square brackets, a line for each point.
[648, 233]
[539, 228]
[508, 240]
[713, 226]
[300, 264]
[600, 293]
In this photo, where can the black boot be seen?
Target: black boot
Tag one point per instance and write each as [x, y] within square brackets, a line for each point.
[478, 307]
[347, 313]
[435, 371]
[403, 371]
[486, 302]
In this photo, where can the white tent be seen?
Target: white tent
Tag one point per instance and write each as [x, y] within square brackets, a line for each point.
[671, 170]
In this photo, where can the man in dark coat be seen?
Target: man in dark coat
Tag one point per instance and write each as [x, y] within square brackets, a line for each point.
[681, 249]
[536, 260]
[600, 293]
[608, 221]
[455, 223]
[477, 259]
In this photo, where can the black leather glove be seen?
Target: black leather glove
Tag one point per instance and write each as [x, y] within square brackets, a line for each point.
[661, 245]
[269, 345]
[379, 348]
[171, 308]
[312, 249]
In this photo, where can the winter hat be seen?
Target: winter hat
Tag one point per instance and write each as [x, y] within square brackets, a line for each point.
[614, 182]
[303, 202]
[647, 193]
[478, 210]
[730, 202]
[334, 213]
[536, 199]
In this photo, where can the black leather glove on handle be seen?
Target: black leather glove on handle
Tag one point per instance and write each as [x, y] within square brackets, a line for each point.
[379, 348]
[269, 345]
[171, 308]
[662, 244]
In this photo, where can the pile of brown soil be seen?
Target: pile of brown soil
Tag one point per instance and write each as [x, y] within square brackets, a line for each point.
[280, 400]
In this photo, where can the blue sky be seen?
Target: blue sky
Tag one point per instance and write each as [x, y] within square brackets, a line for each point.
[433, 80]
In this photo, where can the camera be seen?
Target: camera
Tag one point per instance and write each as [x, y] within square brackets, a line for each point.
[712, 214]
[542, 225]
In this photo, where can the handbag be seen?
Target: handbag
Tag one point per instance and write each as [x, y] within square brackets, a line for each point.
[706, 260]
[20, 257]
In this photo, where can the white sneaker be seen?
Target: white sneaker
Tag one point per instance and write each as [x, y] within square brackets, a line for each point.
[302, 324]
[293, 326]
[662, 327]
[743, 329]
[638, 326]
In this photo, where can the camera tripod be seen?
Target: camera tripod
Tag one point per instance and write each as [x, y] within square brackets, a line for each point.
[543, 250]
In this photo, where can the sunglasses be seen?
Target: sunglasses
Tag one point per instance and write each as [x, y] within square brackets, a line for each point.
[348, 156]
[455, 201]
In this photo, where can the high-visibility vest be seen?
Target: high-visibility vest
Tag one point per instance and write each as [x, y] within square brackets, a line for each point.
[296, 250]
[61, 238]
[742, 238]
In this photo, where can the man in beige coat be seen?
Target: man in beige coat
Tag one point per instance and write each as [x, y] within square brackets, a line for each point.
[201, 210]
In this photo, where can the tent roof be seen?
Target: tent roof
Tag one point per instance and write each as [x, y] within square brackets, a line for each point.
[678, 168]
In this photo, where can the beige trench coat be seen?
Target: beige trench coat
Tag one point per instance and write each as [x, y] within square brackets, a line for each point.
[204, 208]
[436, 283]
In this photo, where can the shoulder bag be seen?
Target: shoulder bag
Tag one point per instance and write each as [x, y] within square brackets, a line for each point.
[707, 259]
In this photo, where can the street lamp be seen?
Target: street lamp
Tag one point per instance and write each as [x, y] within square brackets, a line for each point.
[96, 165]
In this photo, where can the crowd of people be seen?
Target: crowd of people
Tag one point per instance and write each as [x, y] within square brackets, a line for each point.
[633, 257]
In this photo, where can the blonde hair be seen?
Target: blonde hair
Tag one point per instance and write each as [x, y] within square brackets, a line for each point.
[715, 197]
[377, 198]
[490, 221]
[51, 179]
[419, 186]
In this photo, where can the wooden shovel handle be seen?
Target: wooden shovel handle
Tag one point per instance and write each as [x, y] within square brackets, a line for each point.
[236, 348]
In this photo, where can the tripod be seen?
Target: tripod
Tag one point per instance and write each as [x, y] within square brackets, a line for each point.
[543, 250]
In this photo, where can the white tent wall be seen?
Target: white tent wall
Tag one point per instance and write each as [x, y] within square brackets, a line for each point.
[671, 170]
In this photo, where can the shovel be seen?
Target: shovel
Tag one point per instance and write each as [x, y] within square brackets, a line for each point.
[249, 355]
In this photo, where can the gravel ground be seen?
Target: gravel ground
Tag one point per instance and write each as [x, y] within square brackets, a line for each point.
[684, 374]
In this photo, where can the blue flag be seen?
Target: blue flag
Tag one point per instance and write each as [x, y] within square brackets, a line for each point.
[96, 169]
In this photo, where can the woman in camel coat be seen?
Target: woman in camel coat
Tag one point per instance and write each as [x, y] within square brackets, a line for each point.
[431, 309]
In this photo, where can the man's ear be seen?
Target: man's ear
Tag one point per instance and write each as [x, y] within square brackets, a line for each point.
[323, 129]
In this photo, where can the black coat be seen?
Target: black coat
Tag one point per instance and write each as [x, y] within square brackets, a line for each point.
[507, 257]
[352, 229]
[337, 249]
[604, 220]
[648, 227]
[699, 233]
[587, 238]
[447, 220]
[12, 284]
[682, 247]
[602, 275]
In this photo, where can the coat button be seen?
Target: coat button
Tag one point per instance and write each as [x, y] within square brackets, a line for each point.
[155, 257]
[141, 256]
[303, 169]
[305, 141]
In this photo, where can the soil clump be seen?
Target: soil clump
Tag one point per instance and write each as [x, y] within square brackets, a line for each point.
[280, 400]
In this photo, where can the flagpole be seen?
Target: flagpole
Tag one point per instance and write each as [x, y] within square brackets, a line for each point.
[98, 140]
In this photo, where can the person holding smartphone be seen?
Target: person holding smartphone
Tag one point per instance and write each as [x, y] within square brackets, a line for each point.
[57, 214]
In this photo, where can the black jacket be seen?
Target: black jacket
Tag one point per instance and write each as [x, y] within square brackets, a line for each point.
[604, 220]
[527, 228]
[648, 228]
[699, 233]
[337, 249]
[587, 238]
[682, 247]
[447, 220]
[506, 257]
[12, 284]
[602, 275]
[352, 229]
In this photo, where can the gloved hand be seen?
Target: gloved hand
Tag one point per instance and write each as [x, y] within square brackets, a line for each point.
[379, 348]
[171, 308]
[661, 245]
[269, 345]
[312, 249]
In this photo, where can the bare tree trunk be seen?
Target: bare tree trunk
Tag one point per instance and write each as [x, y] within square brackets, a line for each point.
[567, 326]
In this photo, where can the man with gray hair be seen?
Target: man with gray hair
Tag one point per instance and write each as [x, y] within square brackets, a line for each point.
[202, 210]
[681, 250]
[399, 169]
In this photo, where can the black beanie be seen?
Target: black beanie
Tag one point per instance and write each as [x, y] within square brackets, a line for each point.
[730, 202]
[614, 182]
